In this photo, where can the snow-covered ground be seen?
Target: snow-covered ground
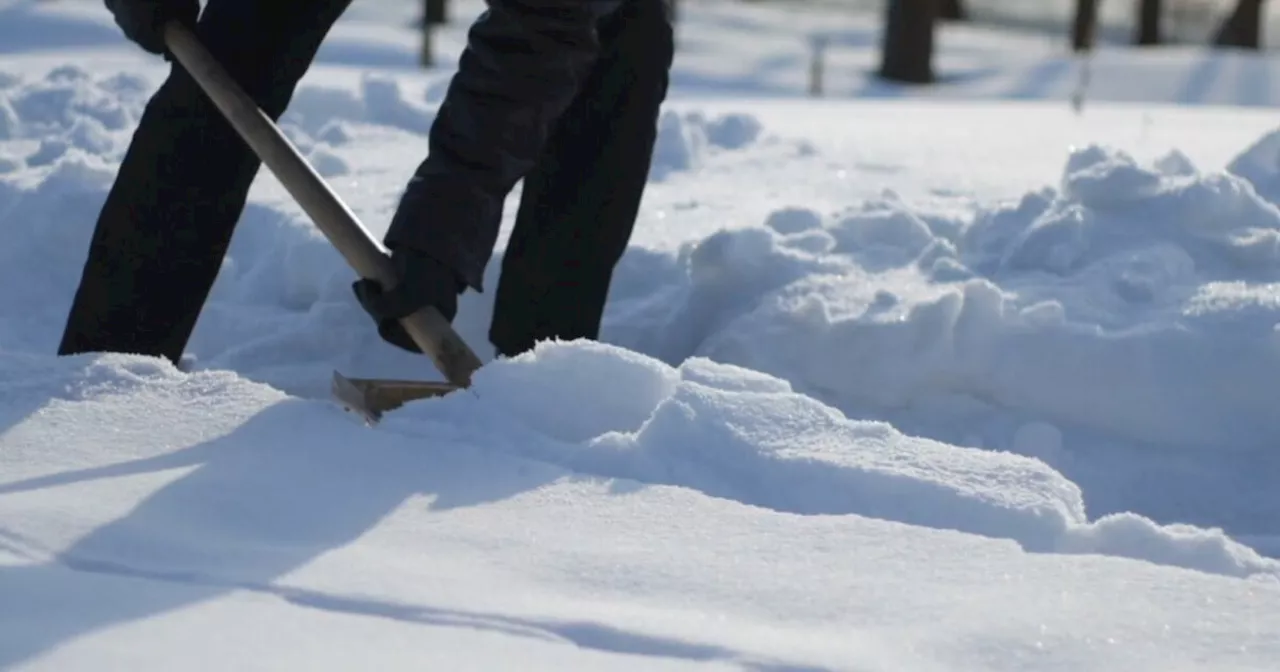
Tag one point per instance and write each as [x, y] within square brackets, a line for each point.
[908, 380]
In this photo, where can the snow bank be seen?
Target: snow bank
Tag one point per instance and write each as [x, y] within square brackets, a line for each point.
[744, 436]
[586, 408]
[1133, 300]
[1121, 326]
[177, 505]
[686, 139]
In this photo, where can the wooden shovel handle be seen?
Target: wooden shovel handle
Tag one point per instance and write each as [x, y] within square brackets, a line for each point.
[427, 327]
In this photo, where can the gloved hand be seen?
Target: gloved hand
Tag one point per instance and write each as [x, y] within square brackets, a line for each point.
[143, 21]
[423, 282]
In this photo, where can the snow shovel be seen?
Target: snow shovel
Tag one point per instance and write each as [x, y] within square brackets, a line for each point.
[368, 397]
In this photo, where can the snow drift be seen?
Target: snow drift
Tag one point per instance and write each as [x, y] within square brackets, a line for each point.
[1086, 305]
[1132, 308]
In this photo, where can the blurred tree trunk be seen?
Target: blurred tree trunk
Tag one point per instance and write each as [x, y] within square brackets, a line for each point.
[1243, 27]
[907, 47]
[437, 12]
[1149, 15]
[1086, 21]
[952, 10]
[434, 13]
[426, 52]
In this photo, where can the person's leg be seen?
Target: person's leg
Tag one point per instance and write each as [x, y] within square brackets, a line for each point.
[167, 222]
[524, 63]
[579, 206]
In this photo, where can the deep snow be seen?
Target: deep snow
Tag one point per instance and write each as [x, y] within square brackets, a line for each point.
[1005, 404]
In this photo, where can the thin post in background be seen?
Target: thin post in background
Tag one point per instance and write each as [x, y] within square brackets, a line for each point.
[817, 64]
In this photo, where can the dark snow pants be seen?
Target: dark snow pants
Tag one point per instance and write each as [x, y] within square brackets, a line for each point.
[556, 92]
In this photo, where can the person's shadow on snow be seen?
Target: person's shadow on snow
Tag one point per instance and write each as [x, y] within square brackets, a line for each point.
[290, 484]
[295, 481]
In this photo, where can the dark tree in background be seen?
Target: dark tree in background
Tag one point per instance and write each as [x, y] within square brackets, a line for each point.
[436, 12]
[1148, 31]
[952, 10]
[907, 48]
[1082, 29]
[1243, 27]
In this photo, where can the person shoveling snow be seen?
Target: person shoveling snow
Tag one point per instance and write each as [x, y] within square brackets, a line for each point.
[564, 95]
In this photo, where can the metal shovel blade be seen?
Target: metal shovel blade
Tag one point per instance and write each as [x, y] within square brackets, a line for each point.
[371, 397]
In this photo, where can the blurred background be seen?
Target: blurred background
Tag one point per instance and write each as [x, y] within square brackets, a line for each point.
[908, 29]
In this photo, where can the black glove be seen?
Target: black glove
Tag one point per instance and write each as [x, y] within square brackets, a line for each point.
[423, 282]
[143, 21]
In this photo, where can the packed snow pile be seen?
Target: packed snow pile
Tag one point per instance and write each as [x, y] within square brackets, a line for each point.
[590, 409]
[1133, 303]
[1085, 305]
[747, 437]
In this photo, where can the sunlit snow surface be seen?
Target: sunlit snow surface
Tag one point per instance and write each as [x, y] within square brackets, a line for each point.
[899, 384]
